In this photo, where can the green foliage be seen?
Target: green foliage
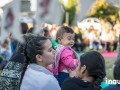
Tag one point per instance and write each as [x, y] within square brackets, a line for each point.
[103, 9]
[71, 8]
[71, 12]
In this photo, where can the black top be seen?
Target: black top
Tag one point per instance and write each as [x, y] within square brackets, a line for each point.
[76, 84]
[11, 73]
[112, 87]
[18, 57]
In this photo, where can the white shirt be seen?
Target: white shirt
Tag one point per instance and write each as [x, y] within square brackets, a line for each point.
[38, 78]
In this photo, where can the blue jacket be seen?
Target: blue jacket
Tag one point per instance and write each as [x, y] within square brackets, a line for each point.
[112, 87]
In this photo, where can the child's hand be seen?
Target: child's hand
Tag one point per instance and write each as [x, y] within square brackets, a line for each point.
[72, 73]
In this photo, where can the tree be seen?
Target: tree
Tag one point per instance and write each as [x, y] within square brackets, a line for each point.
[71, 6]
[102, 9]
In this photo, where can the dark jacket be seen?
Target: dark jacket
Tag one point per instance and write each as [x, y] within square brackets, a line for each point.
[112, 87]
[76, 84]
[10, 76]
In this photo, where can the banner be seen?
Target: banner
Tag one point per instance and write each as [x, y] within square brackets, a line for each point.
[48, 11]
[10, 21]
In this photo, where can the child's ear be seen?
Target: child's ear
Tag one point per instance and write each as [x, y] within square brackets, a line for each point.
[59, 39]
[39, 58]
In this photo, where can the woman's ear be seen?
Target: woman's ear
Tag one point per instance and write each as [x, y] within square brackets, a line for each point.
[81, 71]
[83, 68]
[39, 58]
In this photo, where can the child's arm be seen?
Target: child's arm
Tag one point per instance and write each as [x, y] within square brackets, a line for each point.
[67, 57]
[74, 73]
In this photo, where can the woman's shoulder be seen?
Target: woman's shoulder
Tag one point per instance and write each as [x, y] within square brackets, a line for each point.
[76, 84]
[34, 76]
[38, 71]
[69, 80]
[44, 80]
[69, 84]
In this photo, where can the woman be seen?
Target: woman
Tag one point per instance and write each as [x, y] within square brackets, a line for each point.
[90, 73]
[10, 75]
[39, 54]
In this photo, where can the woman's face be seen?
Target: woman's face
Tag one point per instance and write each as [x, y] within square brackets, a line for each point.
[48, 53]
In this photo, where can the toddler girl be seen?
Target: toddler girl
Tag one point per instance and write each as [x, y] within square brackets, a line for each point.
[66, 59]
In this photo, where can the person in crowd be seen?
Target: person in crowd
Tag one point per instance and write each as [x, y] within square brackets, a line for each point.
[39, 54]
[115, 41]
[79, 45]
[94, 40]
[116, 74]
[116, 31]
[5, 50]
[117, 27]
[24, 28]
[90, 73]
[53, 31]
[46, 33]
[13, 41]
[107, 38]
[10, 75]
[66, 59]
[2, 63]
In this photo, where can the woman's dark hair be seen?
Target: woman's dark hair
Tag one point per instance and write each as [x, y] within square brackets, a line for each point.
[62, 30]
[21, 46]
[20, 49]
[116, 71]
[34, 46]
[95, 65]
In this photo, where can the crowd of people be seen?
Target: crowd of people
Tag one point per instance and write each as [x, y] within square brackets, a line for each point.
[48, 60]
[105, 39]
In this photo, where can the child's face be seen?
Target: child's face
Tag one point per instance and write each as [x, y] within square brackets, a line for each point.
[67, 39]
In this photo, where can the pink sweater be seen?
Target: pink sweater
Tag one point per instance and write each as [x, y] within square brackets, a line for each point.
[66, 58]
